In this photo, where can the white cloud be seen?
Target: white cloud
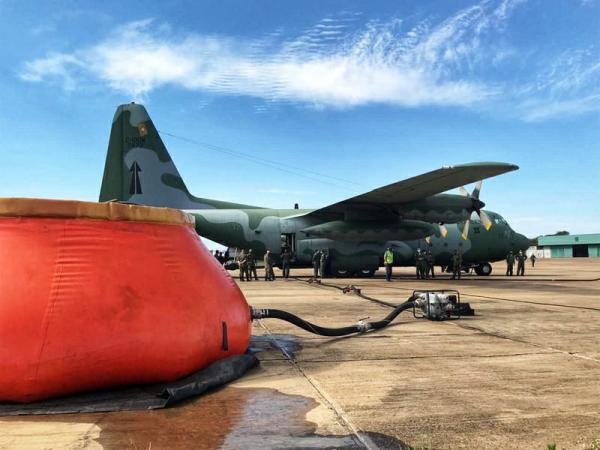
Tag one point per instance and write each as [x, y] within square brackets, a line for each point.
[341, 65]
[325, 66]
[55, 66]
[540, 110]
[567, 86]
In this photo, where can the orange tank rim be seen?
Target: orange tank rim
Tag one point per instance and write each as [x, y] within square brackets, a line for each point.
[74, 209]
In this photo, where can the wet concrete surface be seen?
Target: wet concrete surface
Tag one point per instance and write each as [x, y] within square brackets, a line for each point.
[228, 419]
[287, 344]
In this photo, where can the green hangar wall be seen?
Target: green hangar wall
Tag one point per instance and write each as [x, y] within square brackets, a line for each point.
[570, 246]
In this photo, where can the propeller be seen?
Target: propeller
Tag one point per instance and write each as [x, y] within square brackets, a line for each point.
[477, 205]
[443, 230]
[465, 232]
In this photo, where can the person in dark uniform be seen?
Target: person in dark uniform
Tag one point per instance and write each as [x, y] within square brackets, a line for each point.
[316, 261]
[323, 263]
[510, 262]
[430, 262]
[243, 264]
[456, 264]
[521, 258]
[269, 274]
[251, 264]
[286, 258]
[533, 258]
[418, 263]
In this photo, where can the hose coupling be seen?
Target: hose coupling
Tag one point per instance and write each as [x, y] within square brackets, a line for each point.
[256, 313]
[363, 326]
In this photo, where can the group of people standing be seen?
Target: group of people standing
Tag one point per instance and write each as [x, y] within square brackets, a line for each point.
[520, 258]
[320, 258]
[247, 264]
[220, 256]
[424, 262]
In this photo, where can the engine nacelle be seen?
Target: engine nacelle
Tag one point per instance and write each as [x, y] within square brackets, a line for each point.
[356, 230]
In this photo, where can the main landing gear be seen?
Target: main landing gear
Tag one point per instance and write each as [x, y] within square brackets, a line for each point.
[484, 269]
[347, 273]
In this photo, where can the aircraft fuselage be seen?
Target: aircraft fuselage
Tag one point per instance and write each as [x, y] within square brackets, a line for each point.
[357, 244]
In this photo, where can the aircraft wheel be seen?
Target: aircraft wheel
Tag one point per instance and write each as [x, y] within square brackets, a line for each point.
[342, 273]
[365, 273]
[484, 269]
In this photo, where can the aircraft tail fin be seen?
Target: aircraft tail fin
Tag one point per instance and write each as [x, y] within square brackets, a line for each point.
[140, 170]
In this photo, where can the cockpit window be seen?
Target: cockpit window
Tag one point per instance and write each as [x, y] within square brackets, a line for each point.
[500, 220]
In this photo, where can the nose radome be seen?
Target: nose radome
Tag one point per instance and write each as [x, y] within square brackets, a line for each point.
[521, 241]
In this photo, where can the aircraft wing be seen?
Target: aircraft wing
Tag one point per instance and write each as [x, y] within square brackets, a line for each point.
[421, 186]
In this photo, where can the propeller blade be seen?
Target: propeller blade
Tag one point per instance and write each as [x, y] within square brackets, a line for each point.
[477, 189]
[465, 233]
[463, 191]
[443, 230]
[485, 220]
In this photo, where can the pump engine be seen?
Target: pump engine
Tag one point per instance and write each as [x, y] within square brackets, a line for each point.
[439, 305]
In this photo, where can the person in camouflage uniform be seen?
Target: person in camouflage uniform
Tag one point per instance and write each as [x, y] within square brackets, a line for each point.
[323, 263]
[430, 262]
[251, 265]
[269, 274]
[510, 262]
[242, 260]
[533, 258]
[286, 258]
[316, 260]
[417, 258]
[521, 258]
[424, 268]
[456, 264]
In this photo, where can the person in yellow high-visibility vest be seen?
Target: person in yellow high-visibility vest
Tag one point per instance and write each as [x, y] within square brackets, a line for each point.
[388, 261]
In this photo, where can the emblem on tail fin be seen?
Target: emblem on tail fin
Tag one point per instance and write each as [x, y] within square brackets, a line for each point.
[142, 129]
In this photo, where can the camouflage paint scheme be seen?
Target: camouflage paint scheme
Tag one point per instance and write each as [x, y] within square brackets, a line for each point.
[403, 215]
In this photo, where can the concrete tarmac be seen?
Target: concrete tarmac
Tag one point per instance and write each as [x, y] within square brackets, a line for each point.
[523, 373]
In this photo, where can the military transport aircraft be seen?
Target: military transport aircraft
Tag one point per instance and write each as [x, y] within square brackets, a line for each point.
[406, 215]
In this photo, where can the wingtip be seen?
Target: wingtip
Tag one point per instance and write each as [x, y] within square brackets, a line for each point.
[502, 166]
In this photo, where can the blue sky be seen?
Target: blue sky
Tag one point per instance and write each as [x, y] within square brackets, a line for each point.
[364, 93]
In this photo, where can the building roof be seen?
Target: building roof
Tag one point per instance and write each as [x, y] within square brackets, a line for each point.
[570, 239]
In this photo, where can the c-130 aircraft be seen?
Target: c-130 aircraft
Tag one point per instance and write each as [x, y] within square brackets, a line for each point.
[405, 216]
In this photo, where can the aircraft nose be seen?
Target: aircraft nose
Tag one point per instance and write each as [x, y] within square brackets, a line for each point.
[521, 242]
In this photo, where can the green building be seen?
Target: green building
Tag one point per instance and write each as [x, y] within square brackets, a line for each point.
[569, 246]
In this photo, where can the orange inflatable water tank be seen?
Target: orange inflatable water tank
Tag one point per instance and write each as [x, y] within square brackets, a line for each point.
[96, 295]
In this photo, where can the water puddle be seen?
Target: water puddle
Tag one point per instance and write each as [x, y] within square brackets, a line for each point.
[229, 418]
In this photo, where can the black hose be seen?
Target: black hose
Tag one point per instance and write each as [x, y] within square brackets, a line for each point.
[360, 327]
